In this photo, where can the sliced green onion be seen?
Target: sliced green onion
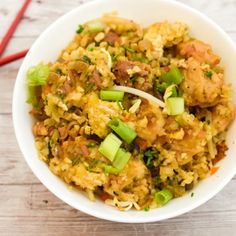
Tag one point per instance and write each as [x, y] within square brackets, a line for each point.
[175, 105]
[174, 76]
[174, 92]
[163, 196]
[121, 159]
[37, 75]
[80, 29]
[161, 87]
[31, 96]
[111, 95]
[110, 146]
[96, 26]
[119, 104]
[169, 92]
[123, 130]
[111, 170]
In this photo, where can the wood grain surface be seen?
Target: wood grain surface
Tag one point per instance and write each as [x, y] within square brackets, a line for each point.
[28, 208]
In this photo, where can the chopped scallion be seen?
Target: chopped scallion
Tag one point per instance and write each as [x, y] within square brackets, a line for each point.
[122, 129]
[37, 75]
[119, 104]
[86, 59]
[121, 159]
[175, 105]
[146, 208]
[127, 48]
[111, 95]
[161, 87]
[111, 170]
[96, 26]
[163, 196]
[174, 76]
[110, 146]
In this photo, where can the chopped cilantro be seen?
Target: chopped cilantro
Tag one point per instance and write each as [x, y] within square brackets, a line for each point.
[119, 104]
[72, 109]
[209, 74]
[86, 59]
[88, 87]
[157, 180]
[149, 156]
[75, 160]
[59, 71]
[146, 208]
[80, 29]
[128, 49]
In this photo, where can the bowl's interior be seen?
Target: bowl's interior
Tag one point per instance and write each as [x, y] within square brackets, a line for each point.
[58, 35]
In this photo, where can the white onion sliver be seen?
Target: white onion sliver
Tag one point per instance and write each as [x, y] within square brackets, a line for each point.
[140, 93]
[109, 60]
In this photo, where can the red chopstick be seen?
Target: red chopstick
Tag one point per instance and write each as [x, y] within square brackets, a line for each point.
[13, 57]
[13, 26]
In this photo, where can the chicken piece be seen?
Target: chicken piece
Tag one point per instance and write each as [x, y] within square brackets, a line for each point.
[221, 151]
[111, 37]
[124, 70]
[162, 35]
[99, 114]
[39, 129]
[86, 179]
[198, 88]
[202, 52]
[149, 122]
[132, 184]
[121, 25]
[222, 116]
[193, 141]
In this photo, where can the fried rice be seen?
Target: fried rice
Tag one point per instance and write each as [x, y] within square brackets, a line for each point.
[169, 152]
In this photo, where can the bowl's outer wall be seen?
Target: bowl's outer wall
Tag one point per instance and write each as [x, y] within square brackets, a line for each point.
[48, 46]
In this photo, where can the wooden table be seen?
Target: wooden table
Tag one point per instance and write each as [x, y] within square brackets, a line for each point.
[28, 208]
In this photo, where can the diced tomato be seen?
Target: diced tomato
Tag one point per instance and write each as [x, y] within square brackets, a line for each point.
[104, 196]
[214, 169]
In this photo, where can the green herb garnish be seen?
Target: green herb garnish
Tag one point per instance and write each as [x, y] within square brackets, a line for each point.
[127, 48]
[148, 157]
[59, 71]
[37, 75]
[88, 87]
[75, 160]
[157, 180]
[80, 29]
[119, 104]
[86, 59]
[209, 74]
[146, 209]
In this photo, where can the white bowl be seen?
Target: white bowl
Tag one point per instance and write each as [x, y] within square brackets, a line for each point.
[47, 47]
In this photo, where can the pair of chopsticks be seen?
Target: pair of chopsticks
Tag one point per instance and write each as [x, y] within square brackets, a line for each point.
[8, 35]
